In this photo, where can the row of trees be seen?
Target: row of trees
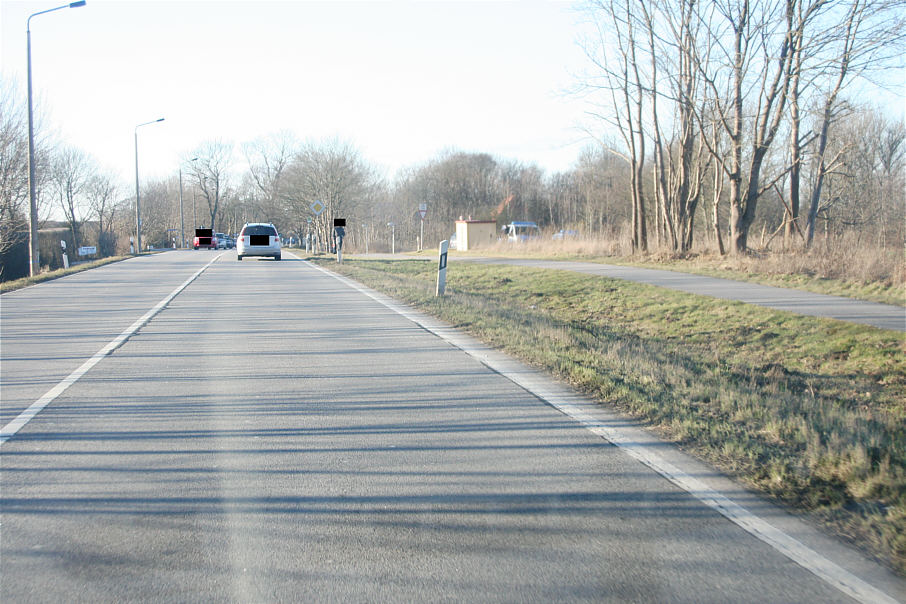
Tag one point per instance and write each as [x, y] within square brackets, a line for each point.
[727, 117]
[284, 178]
[70, 183]
[864, 194]
[703, 95]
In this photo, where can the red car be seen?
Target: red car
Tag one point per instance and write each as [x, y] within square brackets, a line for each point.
[205, 238]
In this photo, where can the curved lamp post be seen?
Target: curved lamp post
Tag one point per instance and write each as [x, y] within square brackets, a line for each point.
[34, 262]
[194, 217]
[138, 214]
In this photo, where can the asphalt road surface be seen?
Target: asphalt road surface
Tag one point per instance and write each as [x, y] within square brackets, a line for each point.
[275, 434]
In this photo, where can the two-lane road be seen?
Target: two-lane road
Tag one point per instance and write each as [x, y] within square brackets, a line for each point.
[274, 434]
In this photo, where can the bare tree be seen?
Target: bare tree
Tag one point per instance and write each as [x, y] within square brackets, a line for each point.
[100, 195]
[728, 76]
[160, 212]
[715, 137]
[680, 162]
[602, 177]
[333, 174]
[866, 194]
[210, 169]
[801, 49]
[70, 173]
[745, 65]
[14, 206]
[13, 168]
[869, 35]
[615, 54]
[268, 158]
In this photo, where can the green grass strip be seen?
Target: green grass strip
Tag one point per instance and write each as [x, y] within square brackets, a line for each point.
[775, 270]
[811, 412]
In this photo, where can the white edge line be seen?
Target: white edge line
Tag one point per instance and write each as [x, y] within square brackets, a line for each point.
[809, 559]
[36, 407]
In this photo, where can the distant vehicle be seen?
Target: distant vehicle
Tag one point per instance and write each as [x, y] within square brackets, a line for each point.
[521, 230]
[565, 234]
[204, 238]
[258, 239]
[224, 241]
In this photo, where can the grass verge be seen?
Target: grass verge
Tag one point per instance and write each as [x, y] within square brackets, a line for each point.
[875, 275]
[809, 411]
[8, 286]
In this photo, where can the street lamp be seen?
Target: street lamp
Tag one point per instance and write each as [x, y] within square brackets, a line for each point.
[182, 222]
[34, 261]
[138, 215]
[194, 217]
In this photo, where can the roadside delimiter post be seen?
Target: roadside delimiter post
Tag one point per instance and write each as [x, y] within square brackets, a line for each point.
[442, 268]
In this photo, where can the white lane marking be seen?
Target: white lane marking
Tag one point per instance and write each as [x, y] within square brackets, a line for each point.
[560, 398]
[26, 416]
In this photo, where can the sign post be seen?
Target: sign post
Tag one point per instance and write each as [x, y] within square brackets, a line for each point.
[442, 268]
[317, 207]
[422, 210]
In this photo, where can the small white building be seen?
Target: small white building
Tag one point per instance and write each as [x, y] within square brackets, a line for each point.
[471, 234]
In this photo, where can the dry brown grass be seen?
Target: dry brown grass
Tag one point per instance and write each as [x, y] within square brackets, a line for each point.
[844, 258]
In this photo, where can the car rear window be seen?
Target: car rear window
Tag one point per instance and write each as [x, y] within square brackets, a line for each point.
[259, 229]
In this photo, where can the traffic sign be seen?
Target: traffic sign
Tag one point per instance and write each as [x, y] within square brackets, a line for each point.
[422, 210]
[317, 207]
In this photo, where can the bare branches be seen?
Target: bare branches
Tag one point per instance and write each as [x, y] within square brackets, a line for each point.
[211, 169]
[13, 168]
[749, 68]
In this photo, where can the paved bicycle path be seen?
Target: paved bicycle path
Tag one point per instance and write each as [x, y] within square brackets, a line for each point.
[885, 316]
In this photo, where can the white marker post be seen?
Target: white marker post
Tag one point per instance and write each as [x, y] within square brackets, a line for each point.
[65, 257]
[442, 268]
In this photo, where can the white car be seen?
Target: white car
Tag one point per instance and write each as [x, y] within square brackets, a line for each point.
[258, 239]
[520, 231]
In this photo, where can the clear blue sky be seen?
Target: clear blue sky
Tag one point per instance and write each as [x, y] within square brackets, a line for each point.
[400, 80]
